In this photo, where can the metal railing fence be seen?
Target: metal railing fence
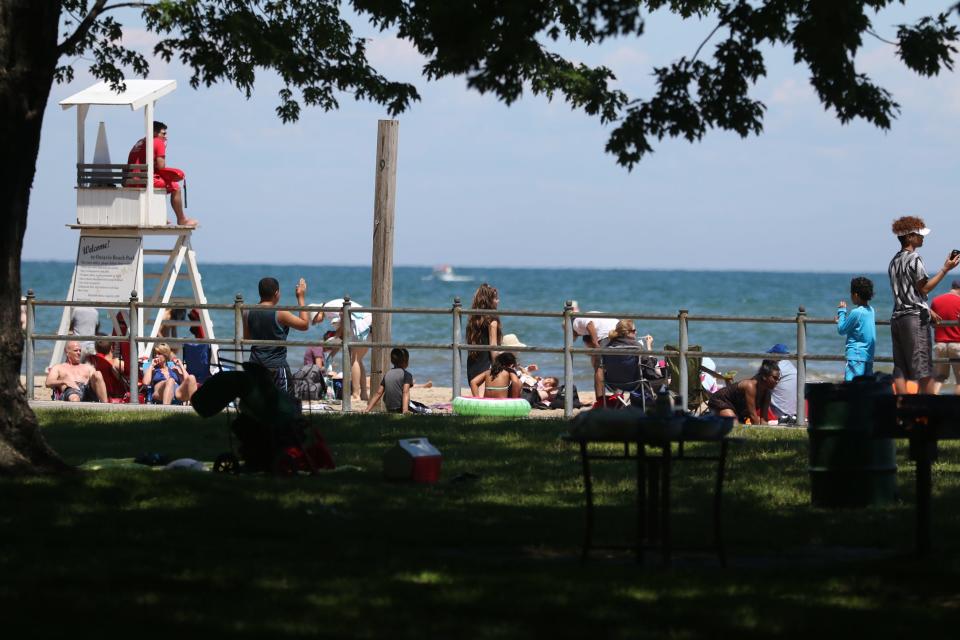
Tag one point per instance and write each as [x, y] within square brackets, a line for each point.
[456, 346]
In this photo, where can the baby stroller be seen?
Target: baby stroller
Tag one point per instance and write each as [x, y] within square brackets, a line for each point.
[271, 434]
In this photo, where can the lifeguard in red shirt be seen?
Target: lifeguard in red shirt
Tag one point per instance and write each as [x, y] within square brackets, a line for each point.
[163, 176]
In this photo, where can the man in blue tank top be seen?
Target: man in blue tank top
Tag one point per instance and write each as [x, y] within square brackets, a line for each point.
[266, 323]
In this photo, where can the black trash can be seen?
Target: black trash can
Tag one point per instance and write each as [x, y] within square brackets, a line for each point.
[848, 466]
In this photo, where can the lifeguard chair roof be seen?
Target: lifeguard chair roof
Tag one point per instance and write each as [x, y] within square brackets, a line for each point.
[137, 94]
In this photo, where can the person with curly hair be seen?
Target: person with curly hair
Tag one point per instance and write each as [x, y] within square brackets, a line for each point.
[859, 327]
[912, 316]
[483, 329]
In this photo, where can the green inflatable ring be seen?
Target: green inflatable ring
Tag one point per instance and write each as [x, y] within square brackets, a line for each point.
[499, 407]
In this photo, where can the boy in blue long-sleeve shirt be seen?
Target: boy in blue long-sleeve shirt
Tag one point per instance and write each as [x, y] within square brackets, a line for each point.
[859, 327]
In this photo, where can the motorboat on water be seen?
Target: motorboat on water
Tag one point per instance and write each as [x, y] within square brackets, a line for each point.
[445, 273]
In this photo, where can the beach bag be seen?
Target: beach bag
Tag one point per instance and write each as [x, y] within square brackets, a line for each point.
[558, 401]
[308, 383]
[419, 408]
[531, 395]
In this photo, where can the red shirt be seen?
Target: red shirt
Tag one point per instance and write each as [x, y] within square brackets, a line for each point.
[947, 306]
[138, 154]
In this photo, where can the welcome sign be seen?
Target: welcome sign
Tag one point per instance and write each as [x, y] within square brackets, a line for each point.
[106, 268]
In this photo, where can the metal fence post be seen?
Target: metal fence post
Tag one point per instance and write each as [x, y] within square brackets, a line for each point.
[345, 335]
[133, 360]
[455, 312]
[567, 359]
[238, 329]
[28, 346]
[801, 366]
[684, 370]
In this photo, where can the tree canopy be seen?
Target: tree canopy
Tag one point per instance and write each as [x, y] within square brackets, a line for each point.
[504, 48]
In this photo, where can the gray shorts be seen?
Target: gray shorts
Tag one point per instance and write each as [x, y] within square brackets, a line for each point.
[912, 347]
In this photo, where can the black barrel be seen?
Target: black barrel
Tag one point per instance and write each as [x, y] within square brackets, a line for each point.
[848, 466]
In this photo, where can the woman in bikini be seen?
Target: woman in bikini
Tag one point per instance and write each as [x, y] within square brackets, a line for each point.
[500, 381]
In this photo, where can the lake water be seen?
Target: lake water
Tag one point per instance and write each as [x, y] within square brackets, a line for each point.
[619, 292]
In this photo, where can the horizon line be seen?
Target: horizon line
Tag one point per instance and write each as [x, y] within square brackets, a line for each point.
[514, 267]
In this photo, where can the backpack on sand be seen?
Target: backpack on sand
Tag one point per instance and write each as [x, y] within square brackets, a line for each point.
[308, 383]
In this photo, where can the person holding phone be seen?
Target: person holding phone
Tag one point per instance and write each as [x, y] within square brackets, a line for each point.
[911, 321]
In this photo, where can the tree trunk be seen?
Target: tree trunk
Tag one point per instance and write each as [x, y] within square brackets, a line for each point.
[28, 58]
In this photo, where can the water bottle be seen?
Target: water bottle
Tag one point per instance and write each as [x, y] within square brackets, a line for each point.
[328, 394]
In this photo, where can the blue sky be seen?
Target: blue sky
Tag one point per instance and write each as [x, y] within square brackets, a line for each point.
[482, 184]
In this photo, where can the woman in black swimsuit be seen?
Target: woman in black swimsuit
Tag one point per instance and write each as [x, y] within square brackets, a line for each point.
[747, 400]
[483, 329]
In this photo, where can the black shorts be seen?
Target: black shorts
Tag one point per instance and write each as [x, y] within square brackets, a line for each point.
[720, 404]
[912, 347]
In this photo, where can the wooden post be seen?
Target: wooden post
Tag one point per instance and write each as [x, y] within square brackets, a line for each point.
[381, 283]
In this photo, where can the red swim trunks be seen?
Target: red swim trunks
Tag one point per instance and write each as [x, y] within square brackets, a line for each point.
[168, 177]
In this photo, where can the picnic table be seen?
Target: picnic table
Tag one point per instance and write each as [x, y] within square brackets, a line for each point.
[654, 471]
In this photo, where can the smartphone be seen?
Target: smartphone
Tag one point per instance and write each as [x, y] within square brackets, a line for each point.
[954, 253]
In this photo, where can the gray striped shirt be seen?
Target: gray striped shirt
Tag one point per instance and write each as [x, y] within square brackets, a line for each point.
[906, 272]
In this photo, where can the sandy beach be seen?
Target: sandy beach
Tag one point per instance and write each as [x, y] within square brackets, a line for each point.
[430, 396]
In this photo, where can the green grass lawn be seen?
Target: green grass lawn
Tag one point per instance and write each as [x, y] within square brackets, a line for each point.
[147, 553]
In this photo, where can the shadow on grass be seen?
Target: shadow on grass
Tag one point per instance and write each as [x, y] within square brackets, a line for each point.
[346, 553]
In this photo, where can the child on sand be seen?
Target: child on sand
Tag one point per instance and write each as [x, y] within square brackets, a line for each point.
[501, 380]
[859, 327]
[396, 384]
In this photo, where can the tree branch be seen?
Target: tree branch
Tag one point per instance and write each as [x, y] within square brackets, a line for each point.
[874, 34]
[706, 40]
[82, 28]
[121, 5]
[99, 8]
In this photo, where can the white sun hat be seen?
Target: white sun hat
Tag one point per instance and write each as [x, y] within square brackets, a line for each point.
[511, 340]
[361, 320]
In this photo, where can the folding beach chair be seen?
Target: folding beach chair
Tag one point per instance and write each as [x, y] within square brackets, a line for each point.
[197, 359]
[117, 386]
[697, 396]
[629, 379]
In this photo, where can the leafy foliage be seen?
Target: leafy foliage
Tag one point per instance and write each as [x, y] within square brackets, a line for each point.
[925, 46]
[502, 47]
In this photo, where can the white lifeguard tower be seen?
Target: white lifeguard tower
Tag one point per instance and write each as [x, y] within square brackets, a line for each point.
[118, 215]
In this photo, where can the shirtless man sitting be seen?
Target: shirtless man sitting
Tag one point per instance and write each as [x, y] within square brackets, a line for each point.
[76, 381]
